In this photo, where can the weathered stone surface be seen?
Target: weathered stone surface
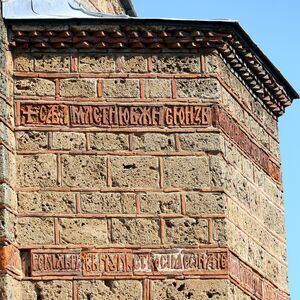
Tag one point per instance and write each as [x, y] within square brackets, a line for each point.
[202, 142]
[37, 170]
[186, 231]
[135, 231]
[7, 225]
[47, 290]
[205, 203]
[110, 289]
[132, 64]
[118, 88]
[34, 231]
[34, 87]
[160, 203]
[186, 172]
[176, 64]
[83, 171]
[31, 140]
[198, 88]
[23, 63]
[219, 231]
[82, 88]
[158, 88]
[47, 202]
[104, 203]
[193, 289]
[153, 142]
[234, 293]
[96, 64]
[83, 231]
[52, 63]
[7, 135]
[69, 141]
[109, 142]
[134, 172]
[8, 196]
[7, 166]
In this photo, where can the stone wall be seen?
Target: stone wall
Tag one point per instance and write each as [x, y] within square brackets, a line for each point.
[141, 175]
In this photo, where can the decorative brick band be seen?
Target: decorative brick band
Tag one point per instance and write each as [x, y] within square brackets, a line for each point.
[234, 50]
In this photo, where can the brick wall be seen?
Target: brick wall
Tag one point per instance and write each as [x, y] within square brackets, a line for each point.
[139, 175]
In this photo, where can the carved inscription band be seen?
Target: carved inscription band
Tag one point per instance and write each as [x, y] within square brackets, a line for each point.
[112, 115]
[162, 263]
[141, 116]
[129, 263]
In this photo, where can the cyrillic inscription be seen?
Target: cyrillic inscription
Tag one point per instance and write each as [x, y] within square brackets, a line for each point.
[140, 263]
[50, 263]
[113, 115]
[101, 263]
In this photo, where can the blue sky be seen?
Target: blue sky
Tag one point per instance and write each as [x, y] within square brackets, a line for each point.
[274, 25]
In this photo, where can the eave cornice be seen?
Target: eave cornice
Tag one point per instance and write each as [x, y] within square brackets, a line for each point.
[143, 37]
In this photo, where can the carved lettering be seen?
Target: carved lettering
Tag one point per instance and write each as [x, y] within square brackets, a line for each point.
[43, 263]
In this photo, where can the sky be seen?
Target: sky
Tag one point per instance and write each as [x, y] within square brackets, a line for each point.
[274, 26]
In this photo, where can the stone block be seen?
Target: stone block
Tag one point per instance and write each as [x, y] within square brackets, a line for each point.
[176, 64]
[132, 64]
[110, 289]
[160, 203]
[8, 196]
[69, 141]
[82, 88]
[37, 170]
[46, 290]
[23, 63]
[7, 225]
[7, 135]
[83, 231]
[205, 203]
[186, 172]
[32, 140]
[96, 64]
[201, 142]
[135, 172]
[52, 63]
[192, 289]
[108, 203]
[86, 171]
[198, 88]
[34, 231]
[149, 142]
[211, 63]
[7, 166]
[135, 231]
[121, 88]
[34, 87]
[186, 231]
[6, 112]
[219, 231]
[109, 142]
[158, 88]
[46, 202]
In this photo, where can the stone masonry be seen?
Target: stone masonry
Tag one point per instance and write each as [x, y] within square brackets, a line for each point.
[139, 162]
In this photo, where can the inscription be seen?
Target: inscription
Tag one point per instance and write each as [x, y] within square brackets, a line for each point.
[132, 263]
[100, 263]
[113, 115]
[43, 263]
[233, 130]
[43, 114]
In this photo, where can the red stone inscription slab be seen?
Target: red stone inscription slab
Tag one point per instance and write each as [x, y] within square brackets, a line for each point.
[103, 263]
[49, 263]
[166, 263]
[233, 130]
[106, 116]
